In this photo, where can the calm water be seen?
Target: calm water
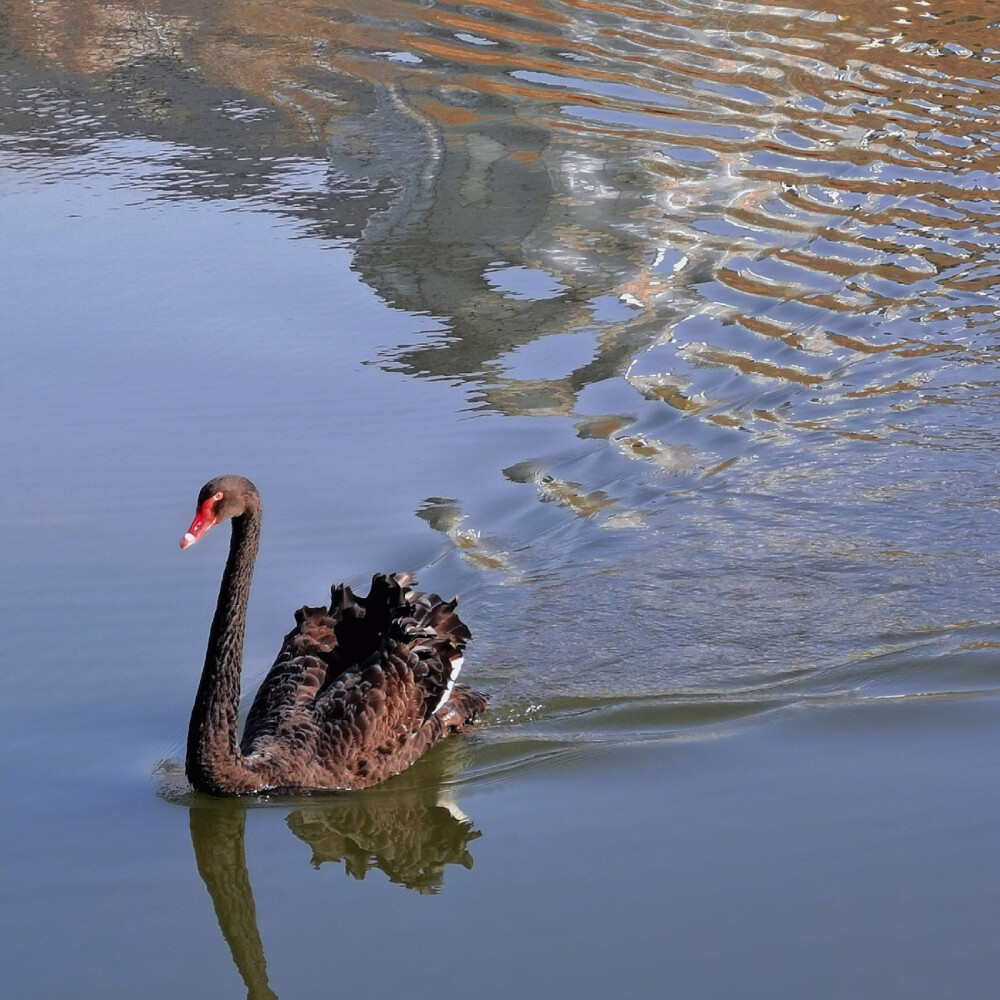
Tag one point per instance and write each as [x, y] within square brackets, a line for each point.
[665, 333]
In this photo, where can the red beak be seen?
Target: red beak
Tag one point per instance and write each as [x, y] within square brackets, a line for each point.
[203, 520]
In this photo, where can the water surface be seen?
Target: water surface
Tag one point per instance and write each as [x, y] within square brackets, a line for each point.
[663, 333]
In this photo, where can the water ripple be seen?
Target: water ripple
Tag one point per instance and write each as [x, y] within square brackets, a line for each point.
[725, 248]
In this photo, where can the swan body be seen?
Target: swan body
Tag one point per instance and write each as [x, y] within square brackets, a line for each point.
[359, 690]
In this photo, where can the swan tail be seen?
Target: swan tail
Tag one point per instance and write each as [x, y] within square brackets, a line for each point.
[462, 707]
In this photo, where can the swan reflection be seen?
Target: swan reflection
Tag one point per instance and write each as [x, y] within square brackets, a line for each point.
[217, 838]
[409, 829]
[410, 840]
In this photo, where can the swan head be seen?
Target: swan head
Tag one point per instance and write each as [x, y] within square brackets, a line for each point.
[220, 499]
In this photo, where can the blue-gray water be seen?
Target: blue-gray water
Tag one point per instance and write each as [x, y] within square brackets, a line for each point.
[665, 334]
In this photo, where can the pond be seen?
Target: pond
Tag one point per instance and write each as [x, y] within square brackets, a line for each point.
[665, 334]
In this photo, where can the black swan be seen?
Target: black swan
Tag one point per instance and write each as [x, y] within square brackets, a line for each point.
[358, 692]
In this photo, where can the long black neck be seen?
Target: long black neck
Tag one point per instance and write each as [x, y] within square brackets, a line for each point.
[214, 763]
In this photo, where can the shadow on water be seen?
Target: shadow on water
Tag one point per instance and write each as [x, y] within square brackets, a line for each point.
[409, 829]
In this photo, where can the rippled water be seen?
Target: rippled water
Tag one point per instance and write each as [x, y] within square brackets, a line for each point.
[665, 333]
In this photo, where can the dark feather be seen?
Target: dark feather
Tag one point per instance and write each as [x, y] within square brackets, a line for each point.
[360, 685]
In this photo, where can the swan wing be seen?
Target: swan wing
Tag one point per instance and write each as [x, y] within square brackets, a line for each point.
[367, 682]
[373, 722]
[299, 671]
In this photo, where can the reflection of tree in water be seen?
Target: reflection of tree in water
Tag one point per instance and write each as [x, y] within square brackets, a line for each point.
[728, 203]
[406, 828]
[466, 235]
[429, 156]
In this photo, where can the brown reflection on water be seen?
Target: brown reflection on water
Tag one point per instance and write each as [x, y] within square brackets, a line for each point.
[765, 216]
[217, 829]
[408, 829]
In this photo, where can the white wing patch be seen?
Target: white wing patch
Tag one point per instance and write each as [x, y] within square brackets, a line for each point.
[456, 666]
[446, 799]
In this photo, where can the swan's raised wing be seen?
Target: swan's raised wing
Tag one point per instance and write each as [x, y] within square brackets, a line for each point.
[375, 720]
[368, 670]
